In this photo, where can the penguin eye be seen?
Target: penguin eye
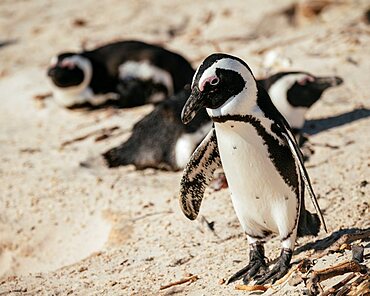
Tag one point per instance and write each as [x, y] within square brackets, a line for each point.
[304, 81]
[210, 81]
[214, 81]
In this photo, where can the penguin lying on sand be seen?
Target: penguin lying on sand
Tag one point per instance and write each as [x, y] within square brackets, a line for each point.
[123, 74]
[293, 93]
[261, 159]
[161, 140]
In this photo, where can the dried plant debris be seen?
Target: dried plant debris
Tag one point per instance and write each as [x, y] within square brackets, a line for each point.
[189, 278]
[316, 277]
[100, 135]
[43, 96]
[333, 243]
[251, 288]
[357, 280]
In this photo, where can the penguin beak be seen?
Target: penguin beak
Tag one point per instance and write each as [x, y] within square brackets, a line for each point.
[323, 83]
[51, 72]
[194, 103]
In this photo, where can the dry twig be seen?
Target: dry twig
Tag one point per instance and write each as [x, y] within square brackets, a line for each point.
[151, 214]
[43, 96]
[339, 285]
[252, 288]
[361, 286]
[322, 275]
[190, 278]
[100, 132]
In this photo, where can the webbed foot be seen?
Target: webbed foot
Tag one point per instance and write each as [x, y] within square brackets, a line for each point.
[256, 264]
[280, 268]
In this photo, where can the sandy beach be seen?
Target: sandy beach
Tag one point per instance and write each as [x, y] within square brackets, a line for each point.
[70, 230]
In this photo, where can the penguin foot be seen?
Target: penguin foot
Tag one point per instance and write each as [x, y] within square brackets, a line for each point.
[256, 264]
[280, 269]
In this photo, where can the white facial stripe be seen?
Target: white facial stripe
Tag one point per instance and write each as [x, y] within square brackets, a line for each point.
[83, 63]
[53, 61]
[77, 94]
[146, 71]
[278, 93]
[227, 64]
[244, 102]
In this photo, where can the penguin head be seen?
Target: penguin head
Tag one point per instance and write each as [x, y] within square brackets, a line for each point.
[218, 84]
[310, 88]
[303, 89]
[294, 92]
[69, 70]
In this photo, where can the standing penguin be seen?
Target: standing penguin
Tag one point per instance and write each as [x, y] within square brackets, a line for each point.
[124, 74]
[293, 93]
[261, 160]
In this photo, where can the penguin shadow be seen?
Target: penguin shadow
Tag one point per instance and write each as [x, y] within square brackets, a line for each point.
[316, 126]
[332, 239]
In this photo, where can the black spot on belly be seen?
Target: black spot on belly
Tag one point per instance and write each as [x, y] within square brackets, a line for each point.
[257, 197]
[234, 147]
[286, 198]
[232, 126]
[266, 233]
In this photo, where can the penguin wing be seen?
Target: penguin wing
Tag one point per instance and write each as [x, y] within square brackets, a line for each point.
[299, 160]
[198, 173]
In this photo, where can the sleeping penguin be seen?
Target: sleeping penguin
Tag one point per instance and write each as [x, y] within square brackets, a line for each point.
[160, 140]
[122, 74]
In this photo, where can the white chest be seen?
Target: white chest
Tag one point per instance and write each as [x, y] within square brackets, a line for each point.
[259, 194]
[72, 96]
[187, 143]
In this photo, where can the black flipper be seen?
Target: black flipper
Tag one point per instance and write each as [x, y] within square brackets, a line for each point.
[299, 160]
[309, 224]
[198, 174]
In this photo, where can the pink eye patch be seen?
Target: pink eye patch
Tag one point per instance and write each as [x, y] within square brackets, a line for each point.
[306, 79]
[67, 64]
[212, 80]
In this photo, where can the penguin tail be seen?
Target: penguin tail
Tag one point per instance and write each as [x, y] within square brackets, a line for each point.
[309, 224]
[117, 157]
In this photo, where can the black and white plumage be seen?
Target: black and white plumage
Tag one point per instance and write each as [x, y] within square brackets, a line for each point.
[123, 74]
[260, 157]
[160, 140]
[293, 93]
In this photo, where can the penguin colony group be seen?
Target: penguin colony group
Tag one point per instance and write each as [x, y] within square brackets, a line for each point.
[161, 141]
[246, 126]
